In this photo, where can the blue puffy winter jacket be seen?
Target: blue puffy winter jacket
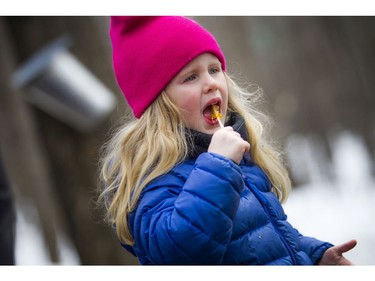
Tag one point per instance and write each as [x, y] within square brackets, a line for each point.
[213, 211]
[209, 210]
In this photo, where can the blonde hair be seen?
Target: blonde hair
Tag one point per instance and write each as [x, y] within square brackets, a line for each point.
[261, 150]
[146, 148]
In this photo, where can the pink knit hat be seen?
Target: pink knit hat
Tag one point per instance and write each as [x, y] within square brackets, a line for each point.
[149, 51]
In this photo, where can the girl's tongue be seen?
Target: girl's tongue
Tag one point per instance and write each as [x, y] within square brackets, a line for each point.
[207, 113]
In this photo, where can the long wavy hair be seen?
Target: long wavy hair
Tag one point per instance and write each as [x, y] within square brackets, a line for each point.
[144, 149]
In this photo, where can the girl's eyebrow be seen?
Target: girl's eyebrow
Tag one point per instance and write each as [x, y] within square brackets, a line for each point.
[191, 68]
[186, 71]
[215, 64]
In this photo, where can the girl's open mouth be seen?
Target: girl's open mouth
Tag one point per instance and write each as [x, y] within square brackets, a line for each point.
[209, 115]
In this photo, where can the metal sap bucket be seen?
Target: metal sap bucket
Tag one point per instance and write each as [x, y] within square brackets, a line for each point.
[62, 87]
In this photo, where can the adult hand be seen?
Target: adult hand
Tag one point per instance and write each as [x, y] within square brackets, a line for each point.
[334, 255]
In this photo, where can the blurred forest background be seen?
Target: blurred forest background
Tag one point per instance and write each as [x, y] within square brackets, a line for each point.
[317, 75]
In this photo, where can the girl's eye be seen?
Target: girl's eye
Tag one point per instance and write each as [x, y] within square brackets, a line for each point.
[190, 78]
[213, 70]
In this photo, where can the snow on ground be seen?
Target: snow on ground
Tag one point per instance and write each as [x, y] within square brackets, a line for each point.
[30, 247]
[342, 207]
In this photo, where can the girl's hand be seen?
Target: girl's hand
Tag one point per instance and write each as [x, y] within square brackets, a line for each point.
[228, 143]
[334, 255]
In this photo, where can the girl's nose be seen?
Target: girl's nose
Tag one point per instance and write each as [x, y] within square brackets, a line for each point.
[210, 85]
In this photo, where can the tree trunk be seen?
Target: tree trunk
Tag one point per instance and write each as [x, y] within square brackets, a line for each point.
[72, 157]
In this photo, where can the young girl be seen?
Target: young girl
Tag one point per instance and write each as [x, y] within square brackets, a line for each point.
[181, 189]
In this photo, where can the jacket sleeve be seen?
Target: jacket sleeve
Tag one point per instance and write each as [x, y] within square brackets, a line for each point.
[313, 247]
[189, 222]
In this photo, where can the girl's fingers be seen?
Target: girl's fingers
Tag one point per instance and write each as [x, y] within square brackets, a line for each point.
[346, 246]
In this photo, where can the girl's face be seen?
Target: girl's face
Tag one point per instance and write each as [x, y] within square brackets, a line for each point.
[198, 86]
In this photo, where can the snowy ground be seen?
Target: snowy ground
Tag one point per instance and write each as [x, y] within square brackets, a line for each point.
[30, 247]
[337, 205]
[339, 208]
